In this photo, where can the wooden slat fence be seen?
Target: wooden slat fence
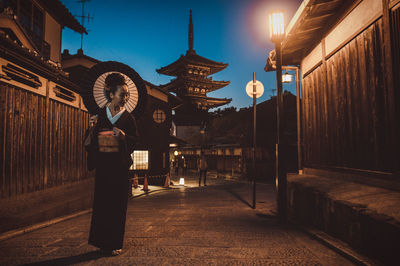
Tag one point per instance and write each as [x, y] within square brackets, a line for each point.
[40, 142]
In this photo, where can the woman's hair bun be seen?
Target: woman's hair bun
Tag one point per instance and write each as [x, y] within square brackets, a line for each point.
[113, 80]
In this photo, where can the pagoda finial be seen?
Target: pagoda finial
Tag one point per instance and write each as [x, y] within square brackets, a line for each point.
[190, 32]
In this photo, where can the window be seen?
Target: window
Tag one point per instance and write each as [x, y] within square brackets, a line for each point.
[159, 116]
[140, 160]
[37, 26]
[25, 15]
[31, 18]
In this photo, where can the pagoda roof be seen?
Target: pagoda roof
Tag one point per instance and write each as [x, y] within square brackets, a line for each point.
[209, 101]
[191, 58]
[212, 85]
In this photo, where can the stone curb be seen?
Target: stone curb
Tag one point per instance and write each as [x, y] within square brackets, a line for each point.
[338, 246]
[20, 231]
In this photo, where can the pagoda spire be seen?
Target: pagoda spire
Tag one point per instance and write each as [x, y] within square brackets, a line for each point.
[190, 32]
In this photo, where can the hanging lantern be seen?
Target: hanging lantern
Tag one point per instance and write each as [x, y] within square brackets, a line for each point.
[287, 78]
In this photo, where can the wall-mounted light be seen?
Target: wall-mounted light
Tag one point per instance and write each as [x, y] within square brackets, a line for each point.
[287, 78]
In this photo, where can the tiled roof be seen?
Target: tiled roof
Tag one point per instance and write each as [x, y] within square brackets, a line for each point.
[62, 14]
[191, 58]
[31, 59]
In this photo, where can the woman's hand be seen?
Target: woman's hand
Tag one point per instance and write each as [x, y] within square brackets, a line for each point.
[93, 120]
[119, 133]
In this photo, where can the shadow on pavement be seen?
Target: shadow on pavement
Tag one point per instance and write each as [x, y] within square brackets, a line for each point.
[93, 255]
[266, 216]
[236, 195]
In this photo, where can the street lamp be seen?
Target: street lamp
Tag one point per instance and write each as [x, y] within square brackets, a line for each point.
[277, 34]
[276, 27]
[254, 89]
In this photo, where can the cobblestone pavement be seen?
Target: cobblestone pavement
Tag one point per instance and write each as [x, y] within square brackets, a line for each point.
[190, 225]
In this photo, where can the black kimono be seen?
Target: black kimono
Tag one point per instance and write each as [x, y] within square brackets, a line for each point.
[111, 184]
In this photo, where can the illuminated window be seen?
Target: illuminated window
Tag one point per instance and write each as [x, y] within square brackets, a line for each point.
[140, 160]
[159, 116]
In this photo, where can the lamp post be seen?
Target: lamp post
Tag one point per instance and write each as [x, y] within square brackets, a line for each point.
[254, 89]
[277, 33]
[286, 79]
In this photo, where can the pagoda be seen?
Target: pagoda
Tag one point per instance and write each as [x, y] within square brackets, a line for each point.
[191, 84]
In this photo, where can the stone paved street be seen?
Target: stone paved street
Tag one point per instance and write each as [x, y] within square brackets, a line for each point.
[210, 225]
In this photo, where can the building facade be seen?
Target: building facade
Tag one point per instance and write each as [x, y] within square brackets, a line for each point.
[348, 53]
[43, 171]
[41, 147]
[349, 85]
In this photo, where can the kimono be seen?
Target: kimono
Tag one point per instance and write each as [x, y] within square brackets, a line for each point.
[111, 183]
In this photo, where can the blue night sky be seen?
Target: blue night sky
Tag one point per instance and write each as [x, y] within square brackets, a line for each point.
[147, 35]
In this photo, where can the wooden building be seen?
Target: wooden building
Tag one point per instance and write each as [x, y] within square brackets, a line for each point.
[155, 131]
[349, 56]
[348, 52]
[192, 85]
[42, 117]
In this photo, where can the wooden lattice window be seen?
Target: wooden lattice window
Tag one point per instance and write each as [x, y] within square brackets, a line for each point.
[22, 76]
[140, 160]
[64, 94]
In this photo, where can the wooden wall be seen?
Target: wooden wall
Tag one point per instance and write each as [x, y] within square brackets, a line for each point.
[40, 142]
[395, 34]
[345, 107]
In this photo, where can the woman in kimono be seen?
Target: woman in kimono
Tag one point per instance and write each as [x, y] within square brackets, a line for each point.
[112, 166]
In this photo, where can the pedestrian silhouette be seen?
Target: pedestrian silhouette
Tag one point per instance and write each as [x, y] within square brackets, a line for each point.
[202, 168]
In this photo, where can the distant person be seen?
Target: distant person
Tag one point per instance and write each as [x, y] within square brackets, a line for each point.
[176, 165]
[180, 164]
[114, 135]
[184, 166]
[202, 168]
[171, 166]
